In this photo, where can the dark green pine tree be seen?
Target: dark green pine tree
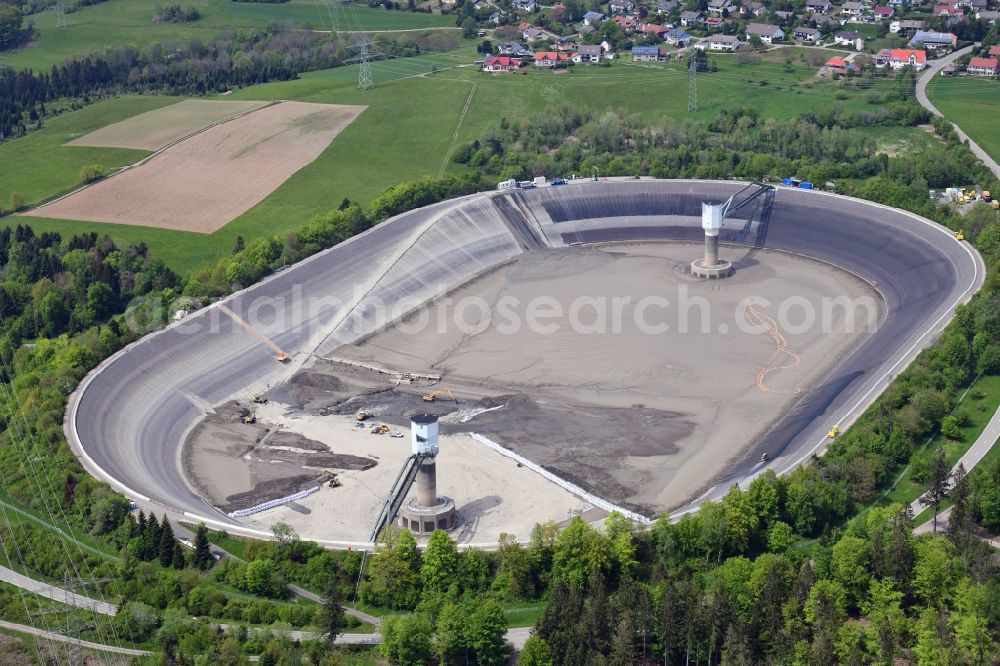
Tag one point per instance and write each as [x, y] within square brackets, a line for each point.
[202, 549]
[333, 609]
[165, 550]
[150, 539]
[178, 561]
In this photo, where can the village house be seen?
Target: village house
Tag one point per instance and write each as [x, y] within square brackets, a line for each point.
[851, 8]
[677, 37]
[718, 6]
[883, 13]
[990, 16]
[768, 33]
[536, 34]
[653, 29]
[513, 49]
[994, 51]
[948, 10]
[818, 6]
[984, 66]
[649, 54]
[550, 59]
[627, 23]
[524, 5]
[714, 22]
[899, 58]
[593, 18]
[666, 6]
[905, 26]
[689, 19]
[849, 38]
[822, 19]
[621, 6]
[501, 64]
[588, 54]
[837, 65]
[806, 34]
[722, 43]
[752, 8]
[933, 40]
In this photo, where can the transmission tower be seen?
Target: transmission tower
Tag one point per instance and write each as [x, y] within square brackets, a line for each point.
[73, 626]
[61, 13]
[365, 70]
[693, 82]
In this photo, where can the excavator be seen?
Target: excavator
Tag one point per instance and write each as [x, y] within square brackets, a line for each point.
[834, 431]
[250, 418]
[960, 234]
[380, 429]
[431, 397]
[258, 399]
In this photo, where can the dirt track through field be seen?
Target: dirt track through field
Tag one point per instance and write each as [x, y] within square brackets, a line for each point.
[159, 128]
[202, 183]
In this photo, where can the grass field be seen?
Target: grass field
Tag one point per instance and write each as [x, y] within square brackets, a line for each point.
[390, 142]
[972, 103]
[130, 22]
[979, 411]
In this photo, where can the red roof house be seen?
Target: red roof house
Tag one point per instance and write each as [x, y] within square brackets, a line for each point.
[501, 64]
[984, 66]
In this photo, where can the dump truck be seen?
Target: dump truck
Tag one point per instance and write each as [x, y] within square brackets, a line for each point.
[362, 415]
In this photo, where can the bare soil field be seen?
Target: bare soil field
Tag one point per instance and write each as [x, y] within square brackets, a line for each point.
[202, 183]
[636, 413]
[155, 129]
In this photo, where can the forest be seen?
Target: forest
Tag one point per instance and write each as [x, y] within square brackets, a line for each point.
[798, 569]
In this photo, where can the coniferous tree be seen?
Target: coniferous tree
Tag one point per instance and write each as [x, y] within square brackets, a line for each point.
[202, 549]
[333, 610]
[165, 549]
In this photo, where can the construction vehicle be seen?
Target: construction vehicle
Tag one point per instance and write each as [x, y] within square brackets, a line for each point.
[986, 195]
[280, 355]
[380, 429]
[834, 431]
[258, 399]
[431, 397]
[995, 204]
[250, 418]
[764, 457]
[334, 483]
[960, 235]
[362, 415]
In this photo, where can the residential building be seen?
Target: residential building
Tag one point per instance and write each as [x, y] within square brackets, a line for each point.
[768, 33]
[550, 58]
[717, 6]
[714, 22]
[841, 66]
[666, 6]
[646, 54]
[524, 5]
[933, 40]
[621, 6]
[723, 42]
[994, 51]
[851, 8]
[593, 18]
[627, 23]
[677, 37]
[501, 64]
[849, 38]
[905, 26]
[988, 15]
[984, 67]
[806, 34]
[818, 6]
[883, 13]
[653, 29]
[535, 34]
[588, 54]
[899, 58]
[822, 19]
[948, 10]
[752, 8]
[514, 49]
[689, 19]
[784, 16]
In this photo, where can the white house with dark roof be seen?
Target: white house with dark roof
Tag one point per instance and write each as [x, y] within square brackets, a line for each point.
[768, 33]
[819, 6]
[849, 38]
[689, 19]
[806, 34]
[852, 8]
[722, 43]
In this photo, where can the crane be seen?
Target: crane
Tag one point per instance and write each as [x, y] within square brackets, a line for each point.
[281, 356]
[431, 397]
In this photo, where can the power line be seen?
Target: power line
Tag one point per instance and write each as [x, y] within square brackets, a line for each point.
[693, 83]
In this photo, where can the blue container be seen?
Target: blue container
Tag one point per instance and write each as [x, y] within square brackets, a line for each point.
[806, 186]
[786, 181]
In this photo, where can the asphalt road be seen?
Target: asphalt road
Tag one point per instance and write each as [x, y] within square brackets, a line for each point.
[128, 418]
[932, 70]
[56, 593]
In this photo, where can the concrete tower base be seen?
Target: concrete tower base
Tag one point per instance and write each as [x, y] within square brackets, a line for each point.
[699, 268]
[425, 519]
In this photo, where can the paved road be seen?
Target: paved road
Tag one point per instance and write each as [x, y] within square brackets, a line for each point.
[59, 638]
[989, 437]
[48, 591]
[128, 418]
[932, 70]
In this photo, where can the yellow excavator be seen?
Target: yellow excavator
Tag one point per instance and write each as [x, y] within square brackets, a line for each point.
[960, 234]
[834, 431]
[380, 429]
[431, 397]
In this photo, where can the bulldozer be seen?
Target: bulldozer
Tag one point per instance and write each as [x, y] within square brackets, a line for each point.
[431, 397]
[834, 431]
[250, 418]
[380, 429]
